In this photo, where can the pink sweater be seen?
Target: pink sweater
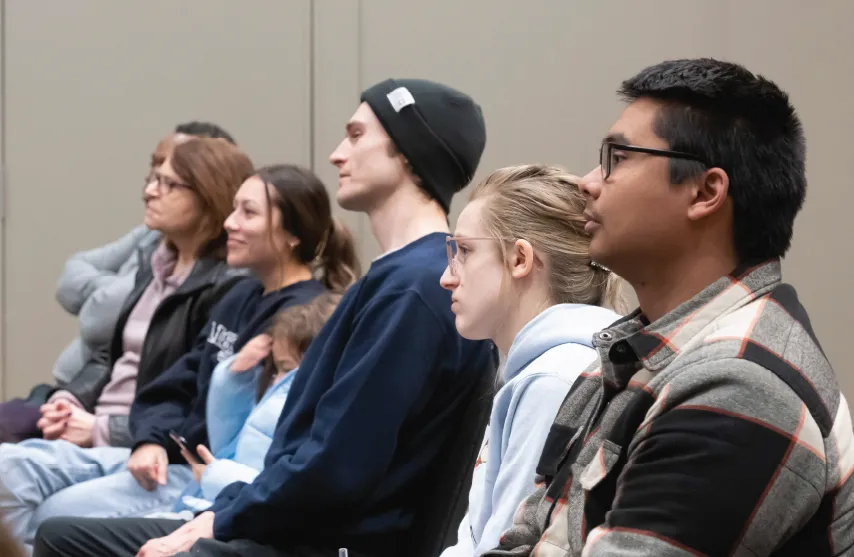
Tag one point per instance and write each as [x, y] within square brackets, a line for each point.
[118, 395]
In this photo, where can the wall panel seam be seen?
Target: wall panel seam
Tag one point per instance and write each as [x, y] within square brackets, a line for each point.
[312, 117]
[4, 176]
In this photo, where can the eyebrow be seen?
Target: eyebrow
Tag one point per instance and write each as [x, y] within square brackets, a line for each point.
[617, 138]
[244, 202]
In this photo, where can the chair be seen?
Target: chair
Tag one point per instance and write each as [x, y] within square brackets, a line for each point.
[437, 521]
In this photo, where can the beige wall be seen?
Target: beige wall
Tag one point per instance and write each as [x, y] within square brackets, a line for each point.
[91, 85]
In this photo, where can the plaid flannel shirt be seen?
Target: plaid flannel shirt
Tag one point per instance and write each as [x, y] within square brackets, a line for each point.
[717, 430]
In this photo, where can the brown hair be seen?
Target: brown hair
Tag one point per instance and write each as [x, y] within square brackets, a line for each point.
[306, 213]
[8, 546]
[297, 325]
[214, 169]
[543, 205]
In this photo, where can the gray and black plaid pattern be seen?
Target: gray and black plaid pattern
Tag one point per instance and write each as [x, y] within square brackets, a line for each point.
[717, 430]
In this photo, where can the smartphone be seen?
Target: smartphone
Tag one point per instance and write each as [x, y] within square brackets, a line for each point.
[181, 442]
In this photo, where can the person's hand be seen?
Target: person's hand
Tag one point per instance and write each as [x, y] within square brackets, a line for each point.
[79, 428]
[54, 418]
[252, 352]
[148, 465]
[181, 539]
[198, 467]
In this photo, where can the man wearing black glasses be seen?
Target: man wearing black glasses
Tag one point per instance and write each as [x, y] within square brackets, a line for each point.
[713, 423]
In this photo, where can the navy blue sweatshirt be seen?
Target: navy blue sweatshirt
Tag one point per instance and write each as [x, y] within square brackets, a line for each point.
[176, 399]
[377, 395]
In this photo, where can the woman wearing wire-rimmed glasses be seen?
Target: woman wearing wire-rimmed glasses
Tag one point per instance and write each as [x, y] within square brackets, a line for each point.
[519, 274]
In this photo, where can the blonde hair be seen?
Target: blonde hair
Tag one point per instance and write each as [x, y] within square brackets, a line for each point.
[543, 205]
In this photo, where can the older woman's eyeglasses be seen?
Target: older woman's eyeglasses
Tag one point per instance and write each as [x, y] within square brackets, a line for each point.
[165, 185]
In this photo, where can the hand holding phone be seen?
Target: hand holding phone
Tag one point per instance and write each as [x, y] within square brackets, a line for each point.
[191, 456]
[198, 460]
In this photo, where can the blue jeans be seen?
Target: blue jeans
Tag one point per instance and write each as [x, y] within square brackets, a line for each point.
[42, 479]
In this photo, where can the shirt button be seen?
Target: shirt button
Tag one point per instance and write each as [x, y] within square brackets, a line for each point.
[606, 336]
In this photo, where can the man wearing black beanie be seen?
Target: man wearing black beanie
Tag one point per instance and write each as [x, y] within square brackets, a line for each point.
[438, 130]
[383, 386]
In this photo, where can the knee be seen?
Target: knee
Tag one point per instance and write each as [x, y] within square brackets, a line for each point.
[14, 462]
[13, 454]
[11, 450]
[17, 463]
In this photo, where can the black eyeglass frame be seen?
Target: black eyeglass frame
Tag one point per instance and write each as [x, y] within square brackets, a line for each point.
[605, 161]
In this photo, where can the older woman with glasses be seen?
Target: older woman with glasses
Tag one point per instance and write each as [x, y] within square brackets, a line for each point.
[180, 279]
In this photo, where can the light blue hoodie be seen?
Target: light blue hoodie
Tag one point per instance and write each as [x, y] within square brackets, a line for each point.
[546, 357]
[239, 431]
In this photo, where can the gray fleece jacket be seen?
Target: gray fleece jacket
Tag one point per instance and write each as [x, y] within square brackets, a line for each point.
[94, 286]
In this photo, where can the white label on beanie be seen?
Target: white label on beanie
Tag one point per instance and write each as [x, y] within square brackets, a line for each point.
[400, 97]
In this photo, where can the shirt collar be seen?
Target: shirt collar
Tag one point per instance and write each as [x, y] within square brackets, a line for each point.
[655, 345]
[163, 262]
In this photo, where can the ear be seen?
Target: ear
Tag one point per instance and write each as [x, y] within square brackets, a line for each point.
[292, 240]
[710, 194]
[521, 259]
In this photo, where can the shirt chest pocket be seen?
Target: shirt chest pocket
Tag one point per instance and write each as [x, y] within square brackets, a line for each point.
[604, 464]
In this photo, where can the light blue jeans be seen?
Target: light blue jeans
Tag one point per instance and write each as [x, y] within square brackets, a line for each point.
[42, 479]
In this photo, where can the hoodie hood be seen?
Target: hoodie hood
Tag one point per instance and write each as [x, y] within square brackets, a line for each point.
[559, 324]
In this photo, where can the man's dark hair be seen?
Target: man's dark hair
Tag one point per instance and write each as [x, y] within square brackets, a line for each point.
[204, 129]
[742, 123]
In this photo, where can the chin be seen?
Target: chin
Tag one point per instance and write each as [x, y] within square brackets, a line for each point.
[598, 252]
[235, 260]
[349, 201]
[467, 331]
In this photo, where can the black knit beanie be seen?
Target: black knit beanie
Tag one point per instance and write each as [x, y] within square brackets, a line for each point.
[438, 129]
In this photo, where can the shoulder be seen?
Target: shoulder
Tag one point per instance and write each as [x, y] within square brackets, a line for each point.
[766, 349]
[230, 290]
[408, 279]
[555, 369]
[564, 362]
[739, 392]
[417, 266]
[303, 292]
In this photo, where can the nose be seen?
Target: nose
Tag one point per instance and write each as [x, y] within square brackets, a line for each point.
[591, 184]
[151, 189]
[338, 157]
[230, 224]
[448, 281]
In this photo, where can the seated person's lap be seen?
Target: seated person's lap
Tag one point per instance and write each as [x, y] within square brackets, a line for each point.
[115, 495]
[57, 463]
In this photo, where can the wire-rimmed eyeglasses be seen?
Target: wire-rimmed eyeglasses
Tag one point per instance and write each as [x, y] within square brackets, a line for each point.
[457, 253]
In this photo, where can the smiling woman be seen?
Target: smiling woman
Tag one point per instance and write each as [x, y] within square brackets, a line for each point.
[283, 230]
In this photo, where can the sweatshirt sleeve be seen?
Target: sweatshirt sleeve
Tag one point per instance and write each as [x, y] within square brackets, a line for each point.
[100, 312]
[382, 372]
[164, 404]
[538, 402]
[222, 472]
[231, 398]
